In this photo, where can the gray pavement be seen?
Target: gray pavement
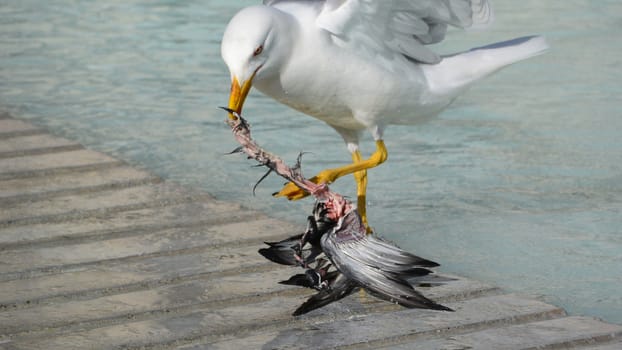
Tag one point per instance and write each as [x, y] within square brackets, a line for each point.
[96, 254]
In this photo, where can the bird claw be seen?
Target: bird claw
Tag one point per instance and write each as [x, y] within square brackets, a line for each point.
[292, 192]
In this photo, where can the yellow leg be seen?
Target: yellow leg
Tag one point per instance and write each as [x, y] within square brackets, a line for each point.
[361, 190]
[358, 168]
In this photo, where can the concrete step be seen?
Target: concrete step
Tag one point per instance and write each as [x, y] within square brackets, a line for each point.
[165, 242]
[74, 206]
[559, 333]
[616, 344]
[52, 163]
[32, 189]
[35, 144]
[10, 128]
[22, 286]
[124, 223]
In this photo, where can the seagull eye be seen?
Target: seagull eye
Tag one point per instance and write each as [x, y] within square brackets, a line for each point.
[258, 50]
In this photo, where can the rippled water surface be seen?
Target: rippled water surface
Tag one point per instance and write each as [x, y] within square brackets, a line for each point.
[518, 184]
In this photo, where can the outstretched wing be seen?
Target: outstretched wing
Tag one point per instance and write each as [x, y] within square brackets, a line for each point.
[377, 265]
[401, 27]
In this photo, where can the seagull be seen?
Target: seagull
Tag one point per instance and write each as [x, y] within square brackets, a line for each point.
[360, 66]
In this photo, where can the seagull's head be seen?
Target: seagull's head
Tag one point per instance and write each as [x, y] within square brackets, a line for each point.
[254, 46]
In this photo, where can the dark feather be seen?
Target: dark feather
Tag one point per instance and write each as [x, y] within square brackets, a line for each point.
[300, 279]
[237, 150]
[261, 179]
[303, 280]
[278, 256]
[340, 288]
[284, 252]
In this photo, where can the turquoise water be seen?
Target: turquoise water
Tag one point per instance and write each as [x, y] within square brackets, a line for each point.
[518, 184]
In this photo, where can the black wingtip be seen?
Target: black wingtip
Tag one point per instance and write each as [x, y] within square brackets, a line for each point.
[416, 272]
[298, 280]
[227, 109]
[439, 307]
[300, 311]
[425, 262]
[278, 256]
[448, 309]
[423, 304]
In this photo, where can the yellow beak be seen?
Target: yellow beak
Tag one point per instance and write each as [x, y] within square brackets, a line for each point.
[238, 95]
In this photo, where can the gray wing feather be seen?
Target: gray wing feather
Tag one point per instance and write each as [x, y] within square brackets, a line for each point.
[377, 266]
[360, 267]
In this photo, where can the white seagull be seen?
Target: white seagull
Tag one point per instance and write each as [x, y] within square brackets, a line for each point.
[360, 65]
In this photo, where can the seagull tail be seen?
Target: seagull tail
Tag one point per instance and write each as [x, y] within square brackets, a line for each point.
[456, 72]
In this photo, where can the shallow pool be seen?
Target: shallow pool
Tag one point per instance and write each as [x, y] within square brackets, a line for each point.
[518, 184]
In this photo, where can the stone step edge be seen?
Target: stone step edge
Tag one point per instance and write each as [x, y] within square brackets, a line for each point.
[375, 307]
[40, 151]
[60, 170]
[33, 197]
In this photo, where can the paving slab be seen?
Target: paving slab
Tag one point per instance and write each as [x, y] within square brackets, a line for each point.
[547, 334]
[614, 345]
[29, 189]
[164, 265]
[167, 241]
[76, 205]
[10, 127]
[123, 223]
[34, 144]
[44, 164]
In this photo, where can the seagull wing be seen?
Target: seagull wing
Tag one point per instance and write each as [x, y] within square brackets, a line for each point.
[398, 27]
